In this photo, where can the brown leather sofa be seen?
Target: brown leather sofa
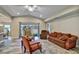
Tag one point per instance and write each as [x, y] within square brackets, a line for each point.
[44, 34]
[64, 40]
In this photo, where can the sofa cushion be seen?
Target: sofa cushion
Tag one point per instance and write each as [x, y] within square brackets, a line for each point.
[64, 37]
[60, 41]
[53, 34]
[59, 35]
[69, 35]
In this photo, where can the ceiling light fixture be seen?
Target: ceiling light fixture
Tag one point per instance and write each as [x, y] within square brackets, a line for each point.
[31, 7]
[18, 13]
[40, 15]
[26, 6]
[35, 6]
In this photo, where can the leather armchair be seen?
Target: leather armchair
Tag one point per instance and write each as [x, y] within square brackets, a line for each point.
[43, 34]
[30, 46]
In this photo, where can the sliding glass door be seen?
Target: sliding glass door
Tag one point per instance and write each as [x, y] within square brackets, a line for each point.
[33, 26]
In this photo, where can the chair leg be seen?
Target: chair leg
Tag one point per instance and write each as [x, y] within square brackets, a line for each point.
[24, 50]
[40, 50]
[22, 47]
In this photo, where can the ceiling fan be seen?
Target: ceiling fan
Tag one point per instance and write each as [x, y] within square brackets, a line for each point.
[31, 8]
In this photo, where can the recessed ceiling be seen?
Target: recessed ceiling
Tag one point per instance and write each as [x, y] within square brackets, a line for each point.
[42, 11]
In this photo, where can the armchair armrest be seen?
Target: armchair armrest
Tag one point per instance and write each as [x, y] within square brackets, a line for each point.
[34, 42]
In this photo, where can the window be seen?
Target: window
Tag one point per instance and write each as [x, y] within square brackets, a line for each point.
[7, 29]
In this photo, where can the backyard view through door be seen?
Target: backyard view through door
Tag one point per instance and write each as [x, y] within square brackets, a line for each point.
[33, 29]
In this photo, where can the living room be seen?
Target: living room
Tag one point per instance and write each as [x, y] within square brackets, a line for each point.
[58, 18]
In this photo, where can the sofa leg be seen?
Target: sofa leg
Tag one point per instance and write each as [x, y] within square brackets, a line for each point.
[30, 52]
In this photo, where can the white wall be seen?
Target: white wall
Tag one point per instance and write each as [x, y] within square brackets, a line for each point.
[68, 25]
[67, 21]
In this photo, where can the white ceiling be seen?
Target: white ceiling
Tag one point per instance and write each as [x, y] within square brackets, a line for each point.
[45, 11]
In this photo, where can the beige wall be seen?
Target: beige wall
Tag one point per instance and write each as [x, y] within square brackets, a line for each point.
[68, 25]
[15, 24]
